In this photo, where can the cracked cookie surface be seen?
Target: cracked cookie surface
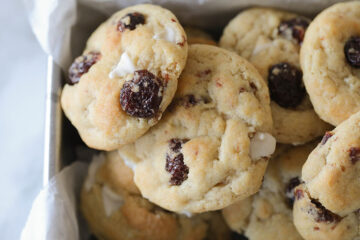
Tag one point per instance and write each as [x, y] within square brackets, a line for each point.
[315, 222]
[212, 146]
[328, 202]
[331, 172]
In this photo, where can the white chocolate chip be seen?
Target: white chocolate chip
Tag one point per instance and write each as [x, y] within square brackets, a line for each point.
[111, 200]
[168, 34]
[124, 67]
[96, 162]
[262, 145]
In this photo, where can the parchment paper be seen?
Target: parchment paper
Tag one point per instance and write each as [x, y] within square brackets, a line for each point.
[62, 27]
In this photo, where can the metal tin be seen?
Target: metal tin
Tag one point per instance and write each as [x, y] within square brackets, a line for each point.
[61, 138]
[53, 122]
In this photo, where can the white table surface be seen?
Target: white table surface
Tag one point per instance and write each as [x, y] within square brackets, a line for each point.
[22, 112]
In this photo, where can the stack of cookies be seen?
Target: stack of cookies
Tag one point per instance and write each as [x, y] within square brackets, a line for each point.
[206, 140]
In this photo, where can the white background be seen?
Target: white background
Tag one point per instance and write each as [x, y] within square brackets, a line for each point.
[22, 111]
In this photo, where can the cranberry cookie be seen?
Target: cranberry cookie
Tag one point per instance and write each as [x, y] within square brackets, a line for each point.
[268, 214]
[271, 40]
[328, 202]
[212, 146]
[126, 77]
[330, 59]
[114, 212]
[114, 208]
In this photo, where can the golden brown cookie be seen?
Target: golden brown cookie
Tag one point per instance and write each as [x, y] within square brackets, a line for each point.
[330, 59]
[115, 212]
[212, 146]
[328, 202]
[126, 77]
[271, 39]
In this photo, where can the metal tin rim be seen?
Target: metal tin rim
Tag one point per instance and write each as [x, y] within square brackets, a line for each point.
[53, 119]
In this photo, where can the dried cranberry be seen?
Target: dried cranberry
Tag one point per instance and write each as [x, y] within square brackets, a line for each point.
[81, 65]
[294, 28]
[175, 162]
[130, 20]
[141, 96]
[182, 43]
[352, 51]
[285, 85]
[298, 194]
[354, 154]
[175, 144]
[326, 137]
[322, 214]
[237, 236]
[289, 190]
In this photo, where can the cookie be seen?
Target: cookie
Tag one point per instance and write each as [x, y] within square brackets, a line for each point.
[212, 146]
[330, 59]
[331, 173]
[315, 222]
[329, 200]
[114, 212]
[126, 77]
[195, 35]
[268, 214]
[271, 39]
